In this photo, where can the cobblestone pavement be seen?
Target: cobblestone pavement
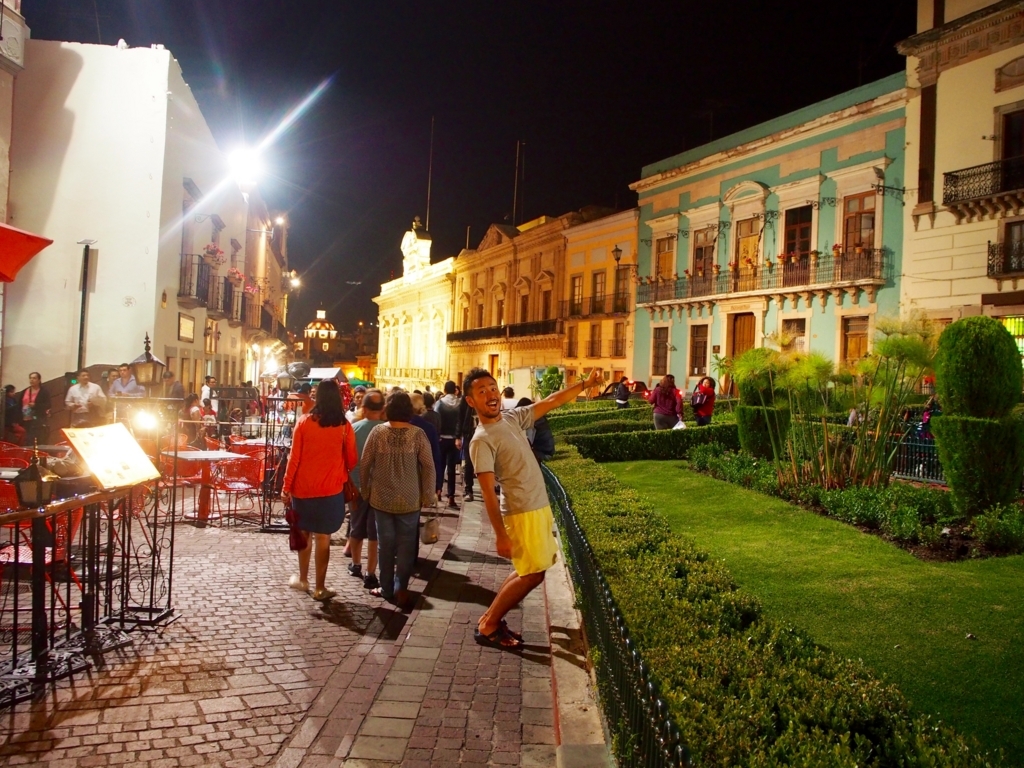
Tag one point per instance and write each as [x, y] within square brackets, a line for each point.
[253, 673]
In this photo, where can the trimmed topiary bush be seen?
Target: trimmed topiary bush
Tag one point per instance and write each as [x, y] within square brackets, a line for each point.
[608, 426]
[978, 369]
[982, 459]
[755, 429]
[560, 421]
[978, 376]
[650, 444]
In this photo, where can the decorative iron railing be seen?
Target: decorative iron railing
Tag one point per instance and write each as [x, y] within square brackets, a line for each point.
[787, 275]
[475, 334]
[194, 279]
[251, 311]
[1006, 259]
[572, 348]
[536, 328]
[981, 181]
[593, 348]
[643, 732]
[607, 304]
[232, 302]
[618, 348]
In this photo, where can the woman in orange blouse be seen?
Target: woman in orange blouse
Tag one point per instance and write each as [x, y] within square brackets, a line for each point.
[323, 452]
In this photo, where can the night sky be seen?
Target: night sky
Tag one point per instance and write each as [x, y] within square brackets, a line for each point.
[596, 90]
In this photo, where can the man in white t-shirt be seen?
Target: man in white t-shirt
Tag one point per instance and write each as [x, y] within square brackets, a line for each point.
[206, 393]
[523, 523]
[86, 402]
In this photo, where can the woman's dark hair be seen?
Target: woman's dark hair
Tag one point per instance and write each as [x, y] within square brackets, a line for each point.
[709, 380]
[398, 407]
[328, 411]
[428, 400]
[524, 401]
[190, 399]
[668, 381]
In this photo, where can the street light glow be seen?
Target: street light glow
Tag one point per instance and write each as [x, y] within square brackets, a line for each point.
[246, 165]
[296, 282]
[279, 220]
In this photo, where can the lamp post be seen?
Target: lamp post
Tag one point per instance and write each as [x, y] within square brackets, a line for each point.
[285, 381]
[617, 255]
[35, 484]
[86, 247]
[147, 368]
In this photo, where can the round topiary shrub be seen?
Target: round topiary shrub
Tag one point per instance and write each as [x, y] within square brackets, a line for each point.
[978, 369]
[983, 460]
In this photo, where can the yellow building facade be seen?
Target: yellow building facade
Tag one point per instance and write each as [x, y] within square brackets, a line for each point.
[964, 215]
[414, 315]
[599, 294]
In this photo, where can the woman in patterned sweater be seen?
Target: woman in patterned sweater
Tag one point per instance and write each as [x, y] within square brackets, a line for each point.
[396, 475]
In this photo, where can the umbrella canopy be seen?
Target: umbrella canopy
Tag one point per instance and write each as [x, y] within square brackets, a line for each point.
[17, 247]
[354, 382]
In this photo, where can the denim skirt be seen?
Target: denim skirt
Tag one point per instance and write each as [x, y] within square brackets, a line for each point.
[320, 514]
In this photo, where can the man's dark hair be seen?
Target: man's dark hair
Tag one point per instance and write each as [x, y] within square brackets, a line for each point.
[305, 389]
[523, 402]
[168, 374]
[508, 392]
[85, 371]
[123, 365]
[328, 411]
[398, 407]
[449, 387]
[373, 400]
[9, 388]
[472, 377]
[428, 400]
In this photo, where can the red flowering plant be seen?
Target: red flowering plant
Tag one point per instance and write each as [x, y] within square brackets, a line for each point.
[213, 254]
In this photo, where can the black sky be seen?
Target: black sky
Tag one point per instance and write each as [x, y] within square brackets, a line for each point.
[596, 90]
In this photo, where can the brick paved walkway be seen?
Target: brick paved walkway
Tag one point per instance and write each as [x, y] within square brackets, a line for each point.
[253, 673]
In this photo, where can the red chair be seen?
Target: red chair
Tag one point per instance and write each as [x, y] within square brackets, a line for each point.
[17, 453]
[12, 462]
[212, 444]
[65, 528]
[237, 478]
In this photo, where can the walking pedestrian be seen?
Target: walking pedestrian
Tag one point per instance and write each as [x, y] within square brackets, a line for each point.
[667, 402]
[208, 392]
[362, 523]
[622, 393]
[508, 399]
[354, 412]
[86, 401]
[501, 453]
[322, 454]
[14, 432]
[447, 409]
[397, 475]
[35, 410]
[467, 427]
[703, 401]
[173, 387]
[425, 420]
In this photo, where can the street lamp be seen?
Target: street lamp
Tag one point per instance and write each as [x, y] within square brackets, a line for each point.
[246, 166]
[147, 368]
[617, 255]
[285, 381]
[35, 484]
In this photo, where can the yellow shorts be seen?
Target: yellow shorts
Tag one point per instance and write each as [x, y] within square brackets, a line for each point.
[534, 548]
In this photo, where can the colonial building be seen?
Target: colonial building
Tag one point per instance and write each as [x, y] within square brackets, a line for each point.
[506, 298]
[414, 314]
[109, 147]
[965, 129]
[793, 227]
[598, 297]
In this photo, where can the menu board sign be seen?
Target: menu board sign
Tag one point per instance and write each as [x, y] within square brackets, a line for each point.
[112, 455]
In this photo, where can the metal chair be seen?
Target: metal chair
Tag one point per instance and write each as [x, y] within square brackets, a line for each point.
[237, 478]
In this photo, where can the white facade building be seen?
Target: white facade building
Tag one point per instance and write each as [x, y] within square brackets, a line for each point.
[109, 145]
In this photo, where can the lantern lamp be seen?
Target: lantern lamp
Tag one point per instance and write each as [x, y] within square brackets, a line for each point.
[285, 381]
[617, 254]
[35, 484]
[147, 368]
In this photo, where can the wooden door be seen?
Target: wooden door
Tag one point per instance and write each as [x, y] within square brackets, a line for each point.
[741, 338]
[492, 365]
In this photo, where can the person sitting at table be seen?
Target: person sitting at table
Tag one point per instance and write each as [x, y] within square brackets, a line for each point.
[322, 454]
[192, 418]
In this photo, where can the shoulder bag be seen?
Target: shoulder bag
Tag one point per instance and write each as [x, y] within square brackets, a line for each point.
[431, 528]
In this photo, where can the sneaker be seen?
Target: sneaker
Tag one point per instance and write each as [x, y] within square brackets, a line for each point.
[322, 595]
[298, 584]
[468, 496]
[370, 581]
[355, 569]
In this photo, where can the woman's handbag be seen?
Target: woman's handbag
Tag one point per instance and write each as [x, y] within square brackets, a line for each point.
[296, 536]
[351, 492]
[431, 529]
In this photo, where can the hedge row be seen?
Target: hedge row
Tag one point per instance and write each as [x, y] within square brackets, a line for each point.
[661, 444]
[743, 689]
[608, 426]
[561, 420]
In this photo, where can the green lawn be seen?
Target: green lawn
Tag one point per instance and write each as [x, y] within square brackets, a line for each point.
[866, 599]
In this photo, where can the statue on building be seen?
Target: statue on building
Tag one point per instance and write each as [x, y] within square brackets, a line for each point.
[415, 248]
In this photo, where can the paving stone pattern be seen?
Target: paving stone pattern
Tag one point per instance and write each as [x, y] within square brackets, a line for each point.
[253, 673]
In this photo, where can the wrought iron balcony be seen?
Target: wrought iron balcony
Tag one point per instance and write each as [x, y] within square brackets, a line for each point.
[513, 330]
[232, 302]
[475, 334]
[572, 348]
[617, 348]
[985, 190]
[855, 267]
[251, 312]
[1006, 259]
[194, 281]
[607, 304]
[593, 348]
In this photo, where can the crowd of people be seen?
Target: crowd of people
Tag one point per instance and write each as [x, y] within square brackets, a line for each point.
[394, 454]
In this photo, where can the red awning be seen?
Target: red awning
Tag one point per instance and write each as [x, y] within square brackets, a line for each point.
[17, 247]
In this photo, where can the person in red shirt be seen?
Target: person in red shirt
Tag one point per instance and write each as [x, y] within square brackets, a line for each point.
[323, 452]
[703, 401]
[667, 402]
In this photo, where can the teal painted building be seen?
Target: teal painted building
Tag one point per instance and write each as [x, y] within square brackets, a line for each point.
[793, 228]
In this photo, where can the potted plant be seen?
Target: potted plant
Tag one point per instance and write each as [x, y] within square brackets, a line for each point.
[837, 251]
[769, 264]
[733, 266]
[235, 275]
[213, 255]
[794, 259]
[716, 268]
[814, 256]
[700, 273]
[687, 273]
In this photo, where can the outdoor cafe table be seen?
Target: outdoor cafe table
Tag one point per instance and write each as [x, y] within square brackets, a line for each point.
[206, 459]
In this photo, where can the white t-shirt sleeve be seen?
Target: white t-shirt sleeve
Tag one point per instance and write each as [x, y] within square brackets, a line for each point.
[522, 416]
[482, 454]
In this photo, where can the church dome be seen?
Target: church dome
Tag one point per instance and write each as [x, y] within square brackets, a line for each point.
[320, 328]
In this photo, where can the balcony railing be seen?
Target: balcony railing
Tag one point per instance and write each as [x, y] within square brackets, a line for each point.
[421, 374]
[251, 312]
[593, 348]
[1006, 259]
[617, 348]
[826, 270]
[980, 181]
[215, 305]
[194, 281]
[536, 328]
[608, 304]
[232, 302]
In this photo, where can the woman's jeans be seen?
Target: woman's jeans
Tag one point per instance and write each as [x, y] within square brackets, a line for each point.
[398, 544]
[664, 421]
[703, 421]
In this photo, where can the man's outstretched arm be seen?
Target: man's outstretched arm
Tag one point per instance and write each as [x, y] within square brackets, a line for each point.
[566, 395]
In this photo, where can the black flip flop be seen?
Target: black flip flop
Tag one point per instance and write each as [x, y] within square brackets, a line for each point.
[500, 639]
[510, 632]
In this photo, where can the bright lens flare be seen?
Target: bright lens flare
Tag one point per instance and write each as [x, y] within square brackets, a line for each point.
[246, 166]
[294, 114]
[145, 421]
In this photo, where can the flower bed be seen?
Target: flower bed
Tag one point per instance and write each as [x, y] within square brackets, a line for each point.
[743, 689]
[649, 444]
